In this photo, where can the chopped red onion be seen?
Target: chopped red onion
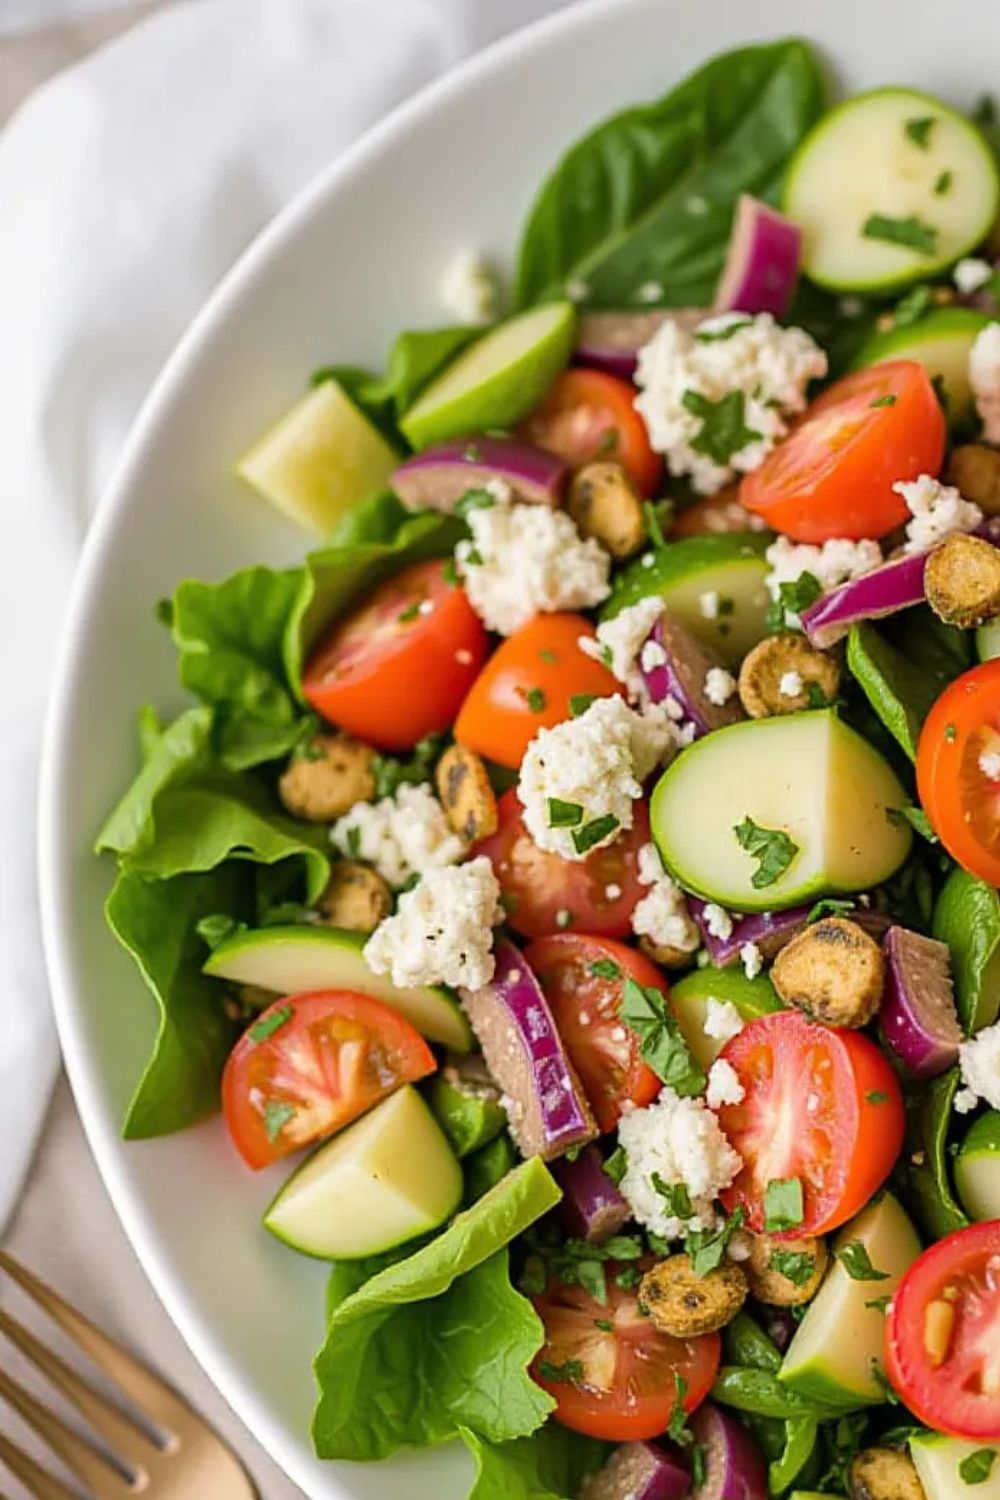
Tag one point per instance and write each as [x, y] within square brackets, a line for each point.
[762, 262]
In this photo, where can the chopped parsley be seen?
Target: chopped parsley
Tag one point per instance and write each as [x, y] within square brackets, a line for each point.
[943, 184]
[354, 842]
[719, 335]
[270, 1023]
[563, 814]
[912, 307]
[567, 1373]
[887, 400]
[793, 597]
[678, 1430]
[449, 572]
[917, 819]
[592, 833]
[829, 906]
[773, 850]
[409, 613]
[605, 968]
[277, 1114]
[628, 1278]
[797, 1266]
[919, 131]
[616, 1165]
[707, 1247]
[604, 1324]
[535, 699]
[978, 1466]
[389, 773]
[879, 1304]
[547, 655]
[912, 233]
[724, 430]
[877, 1096]
[675, 1196]
[950, 733]
[579, 703]
[661, 1043]
[857, 1263]
[477, 499]
[784, 1206]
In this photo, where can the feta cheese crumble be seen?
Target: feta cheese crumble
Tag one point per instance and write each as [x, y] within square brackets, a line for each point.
[752, 960]
[722, 1020]
[936, 511]
[979, 1060]
[442, 931]
[834, 563]
[402, 835]
[720, 686]
[790, 684]
[708, 604]
[577, 290]
[681, 1143]
[717, 920]
[989, 764]
[684, 374]
[662, 914]
[525, 560]
[971, 274]
[724, 1085]
[469, 290]
[622, 640]
[984, 376]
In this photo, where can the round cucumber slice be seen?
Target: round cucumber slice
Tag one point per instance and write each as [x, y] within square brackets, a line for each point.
[713, 584]
[689, 999]
[941, 343]
[889, 188]
[293, 960]
[988, 640]
[496, 381]
[386, 1179]
[806, 776]
[938, 1461]
[977, 1169]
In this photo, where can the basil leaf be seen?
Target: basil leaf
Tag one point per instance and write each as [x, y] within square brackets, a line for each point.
[911, 232]
[706, 1247]
[902, 668]
[857, 1263]
[978, 1466]
[967, 918]
[797, 1266]
[723, 425]
[771, 847]
[661, 1043]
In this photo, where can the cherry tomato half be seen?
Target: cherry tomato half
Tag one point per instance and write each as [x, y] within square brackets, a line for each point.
[528, 684]
[397, 668]
[543, 893]
[943, 1334]
[589, 414]
[833, 475]
[620, 1382]
[822, 1105]
[312, 1063]
[961, 734]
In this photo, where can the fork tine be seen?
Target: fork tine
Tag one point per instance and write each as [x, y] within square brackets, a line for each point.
[38, 1480]
[89, 1466]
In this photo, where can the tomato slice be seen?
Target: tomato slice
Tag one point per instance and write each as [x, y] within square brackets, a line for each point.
[589, 414]
[529, 683]
[543, 893]
[961, 735]
[833, 474]
[583, 978]
[619, 1383]
[943, 1334]
[310, 1064]
[398, 667]
[821, 1105]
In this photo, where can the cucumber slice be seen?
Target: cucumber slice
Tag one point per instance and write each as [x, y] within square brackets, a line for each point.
[988, 640]
[689, 999]
[977, 1169]
[320, 460]
[730, 565]
[838, 1346]
[941, 343]
[902, 156]
[807, 775]
[938, 1461]
[381, 1182]
[496, 381]
[293, 960]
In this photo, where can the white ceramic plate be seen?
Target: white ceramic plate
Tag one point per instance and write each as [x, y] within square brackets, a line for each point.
[358, 257]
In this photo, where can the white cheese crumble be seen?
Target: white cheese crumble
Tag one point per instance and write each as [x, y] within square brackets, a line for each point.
[680, 1141]
[768, 365]
[971, 274]
[650, 291]
[652, 656]
[717, 920]
[622, 640]
[662, 915]
[722, 1020]
[752, 960]
[469, 290]
[720, 686]
[708, 604]
[834, 563]
[724, 1085]
[577, 290]
[790, 684]
[979, 1060]
[442, 931]
[984, 376]
[402, 835]
[989, 764]
[936, 511]
[525, 560]
[596, 763]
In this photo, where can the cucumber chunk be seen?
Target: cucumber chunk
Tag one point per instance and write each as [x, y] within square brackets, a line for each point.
[977, 1169]
[838, 1346]
[938, 1461]
[294, 960]
[941, 343]
[496, 381]
[905, 165]
[689, 999]
[322, 458]
[731, 566]
[808, 776]
[386, 1179]
[988, 640]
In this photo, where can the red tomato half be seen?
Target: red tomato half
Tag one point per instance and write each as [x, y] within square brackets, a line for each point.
[962, 802]
[398, 667]
[588, 414]
[833, 474]
[943, 1334]
[544, 893]
[822, 1105]
[312, 1063]
[621, 1383]
[584, 993]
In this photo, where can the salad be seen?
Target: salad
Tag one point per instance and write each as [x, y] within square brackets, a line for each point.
[582, 871]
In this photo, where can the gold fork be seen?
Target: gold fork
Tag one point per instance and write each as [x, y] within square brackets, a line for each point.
[189, 1463]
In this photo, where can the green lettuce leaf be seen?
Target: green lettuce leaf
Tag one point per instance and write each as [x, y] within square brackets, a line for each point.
[903, 667]
[967, 918]
[414, 360]
[170, 756]
[439, 1341]
[552, 1464]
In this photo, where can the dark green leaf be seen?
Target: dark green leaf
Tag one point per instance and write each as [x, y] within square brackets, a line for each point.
[923, 1169]
[857, 1263]
[977, 1467]
[967, 918]
[661, 1043]
[723, 425]
[796, 1265]
[793, 597]
[903, 666]
[771, 847]
[579, 703]
[919, 131]
[391, 773]
[594, 832]
[910, 232]
[707, 1247]
[677, 1199]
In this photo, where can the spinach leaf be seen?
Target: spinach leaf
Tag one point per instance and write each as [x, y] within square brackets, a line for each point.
[902, 668]
[923, 1171]
[552, 1464]
[762, 1394]
[746, 1344]
[661, 1042]
[648, 197]
[967, 918]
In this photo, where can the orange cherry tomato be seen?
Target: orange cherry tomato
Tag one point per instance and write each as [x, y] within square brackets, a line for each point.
[833, 475]
[530, 683]
[397, 667]
[589, 414]
[961, 800]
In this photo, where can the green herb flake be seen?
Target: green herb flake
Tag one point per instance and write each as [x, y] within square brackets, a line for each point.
[570, 1371]
[879, 1304]
[772, 848]
[724, 431]
[563, 814]
[829, 906]
[887, 400]
[449, 572]
[390, 773]
[409, 613]
[943, 184]
[661, 1043]
[535, 699]
[564, 917]
[793, 597]
[628, 1278]
[474, 500]
[707, 1247]
[653, 527]
[270, 1023]
[594, 832]
[978, 1466]
[950, 733]
[533, 1280]
[605, 968]
[678, 1430]
[675, 1195]
[919, 131]
[720, 335]
[917, 819]
[877, 1096]
[608, 443]
[354, 842]
[616, 1165]
[579, 703]
[797, 1266]
[857, 1263]
[548, 656]
[912, 307]
[699, 1465]
[277, 1114]
[911, 233]
[605, 1325]
[784, 1205]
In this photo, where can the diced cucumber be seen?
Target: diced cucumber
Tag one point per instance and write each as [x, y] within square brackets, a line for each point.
[713, 584]
[689, 999]
[293, 960]
[807, 776]
[939, 1462]
[977, 1169]
[381, 1182]
[837, 1349]
[497, 380]
[469, 1120]
[941, 343]
[919, 175]
[319, 460]
[988, 640]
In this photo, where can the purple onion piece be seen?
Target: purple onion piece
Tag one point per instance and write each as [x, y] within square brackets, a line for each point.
[734, 1468]
[768, 930]
[681, 676]
[762, 262]
[611, 341]
[639, 1471]
[592, 1208]
[777, 1323]
[437, 478]
[546, 1107]
[918, 1018]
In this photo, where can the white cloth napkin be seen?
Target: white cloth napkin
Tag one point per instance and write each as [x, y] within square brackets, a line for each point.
[128, 185]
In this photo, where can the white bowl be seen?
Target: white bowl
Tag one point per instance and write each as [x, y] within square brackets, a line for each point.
[355, 259]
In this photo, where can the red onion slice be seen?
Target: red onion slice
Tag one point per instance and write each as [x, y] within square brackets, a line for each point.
[918, 1018]
[734, 1469]
[639, 1471]
[437, 478]
[768, 930]
[762, 262]
[611, 340]
[592, 1208]
[681, 675]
